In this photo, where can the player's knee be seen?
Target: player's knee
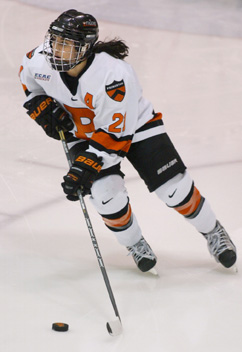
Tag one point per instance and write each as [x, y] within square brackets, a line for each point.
[181, 194]
[109, 194]
[174, 191]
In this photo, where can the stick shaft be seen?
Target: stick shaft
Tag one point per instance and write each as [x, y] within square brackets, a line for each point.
[91, 231]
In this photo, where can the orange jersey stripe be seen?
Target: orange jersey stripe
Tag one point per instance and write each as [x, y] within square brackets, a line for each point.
[157, 116]
[120, 221]
[20, 70]
[108, 142]
[24, 87]
[192, 205]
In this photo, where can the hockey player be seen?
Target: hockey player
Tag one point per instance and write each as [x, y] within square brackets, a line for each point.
[87, 89]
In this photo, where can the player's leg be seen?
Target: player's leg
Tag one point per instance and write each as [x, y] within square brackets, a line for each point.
[181, 194]
[163, 171]
[110, 198]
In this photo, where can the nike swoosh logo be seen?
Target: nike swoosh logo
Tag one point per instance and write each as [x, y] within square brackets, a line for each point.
[171, 195]
[73, 99]
[106, 201]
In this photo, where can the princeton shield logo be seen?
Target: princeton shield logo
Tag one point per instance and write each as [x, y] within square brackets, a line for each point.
[116, 90]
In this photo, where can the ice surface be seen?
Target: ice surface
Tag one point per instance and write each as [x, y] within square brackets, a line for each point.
[217, 17]
[48, 269]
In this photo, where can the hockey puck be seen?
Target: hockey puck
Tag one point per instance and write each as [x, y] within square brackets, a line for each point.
[60, 327]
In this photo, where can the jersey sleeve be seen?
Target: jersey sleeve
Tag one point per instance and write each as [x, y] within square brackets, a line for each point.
[116, 116]
[26, 75]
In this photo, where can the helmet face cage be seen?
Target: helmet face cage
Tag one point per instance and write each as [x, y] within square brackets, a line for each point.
[62, 54]
[70, 39]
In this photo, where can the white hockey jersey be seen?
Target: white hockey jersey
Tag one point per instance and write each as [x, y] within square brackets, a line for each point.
[107, 108]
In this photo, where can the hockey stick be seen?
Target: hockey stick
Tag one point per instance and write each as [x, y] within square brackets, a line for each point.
[114, 327]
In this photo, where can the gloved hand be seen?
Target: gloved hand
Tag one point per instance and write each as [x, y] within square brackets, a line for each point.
[81, 175]
[49, 115]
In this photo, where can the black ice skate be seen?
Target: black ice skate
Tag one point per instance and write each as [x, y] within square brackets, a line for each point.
[221, 246]
[143, 255]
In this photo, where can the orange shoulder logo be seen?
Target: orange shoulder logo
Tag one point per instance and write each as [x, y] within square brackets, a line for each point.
[30, 54]
[116, 90]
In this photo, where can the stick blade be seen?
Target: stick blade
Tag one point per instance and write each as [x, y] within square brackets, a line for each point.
[114, 327]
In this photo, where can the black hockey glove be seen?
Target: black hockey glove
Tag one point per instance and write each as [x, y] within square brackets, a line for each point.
[49, 115]
[81, 175]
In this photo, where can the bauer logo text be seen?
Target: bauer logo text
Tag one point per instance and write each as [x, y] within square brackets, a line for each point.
[167, 166]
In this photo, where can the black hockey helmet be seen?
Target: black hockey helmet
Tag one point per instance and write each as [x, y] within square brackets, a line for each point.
[71, 26]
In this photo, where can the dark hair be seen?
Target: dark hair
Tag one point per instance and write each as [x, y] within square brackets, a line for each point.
[116, 48]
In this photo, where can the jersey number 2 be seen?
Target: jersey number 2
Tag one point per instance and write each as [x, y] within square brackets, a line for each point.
[83, 118]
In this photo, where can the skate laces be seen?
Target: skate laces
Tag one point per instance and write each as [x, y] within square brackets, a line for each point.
[218, 241]
[141, 250]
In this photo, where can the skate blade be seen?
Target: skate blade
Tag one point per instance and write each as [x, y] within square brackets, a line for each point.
[153, 271]
[234, 269]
